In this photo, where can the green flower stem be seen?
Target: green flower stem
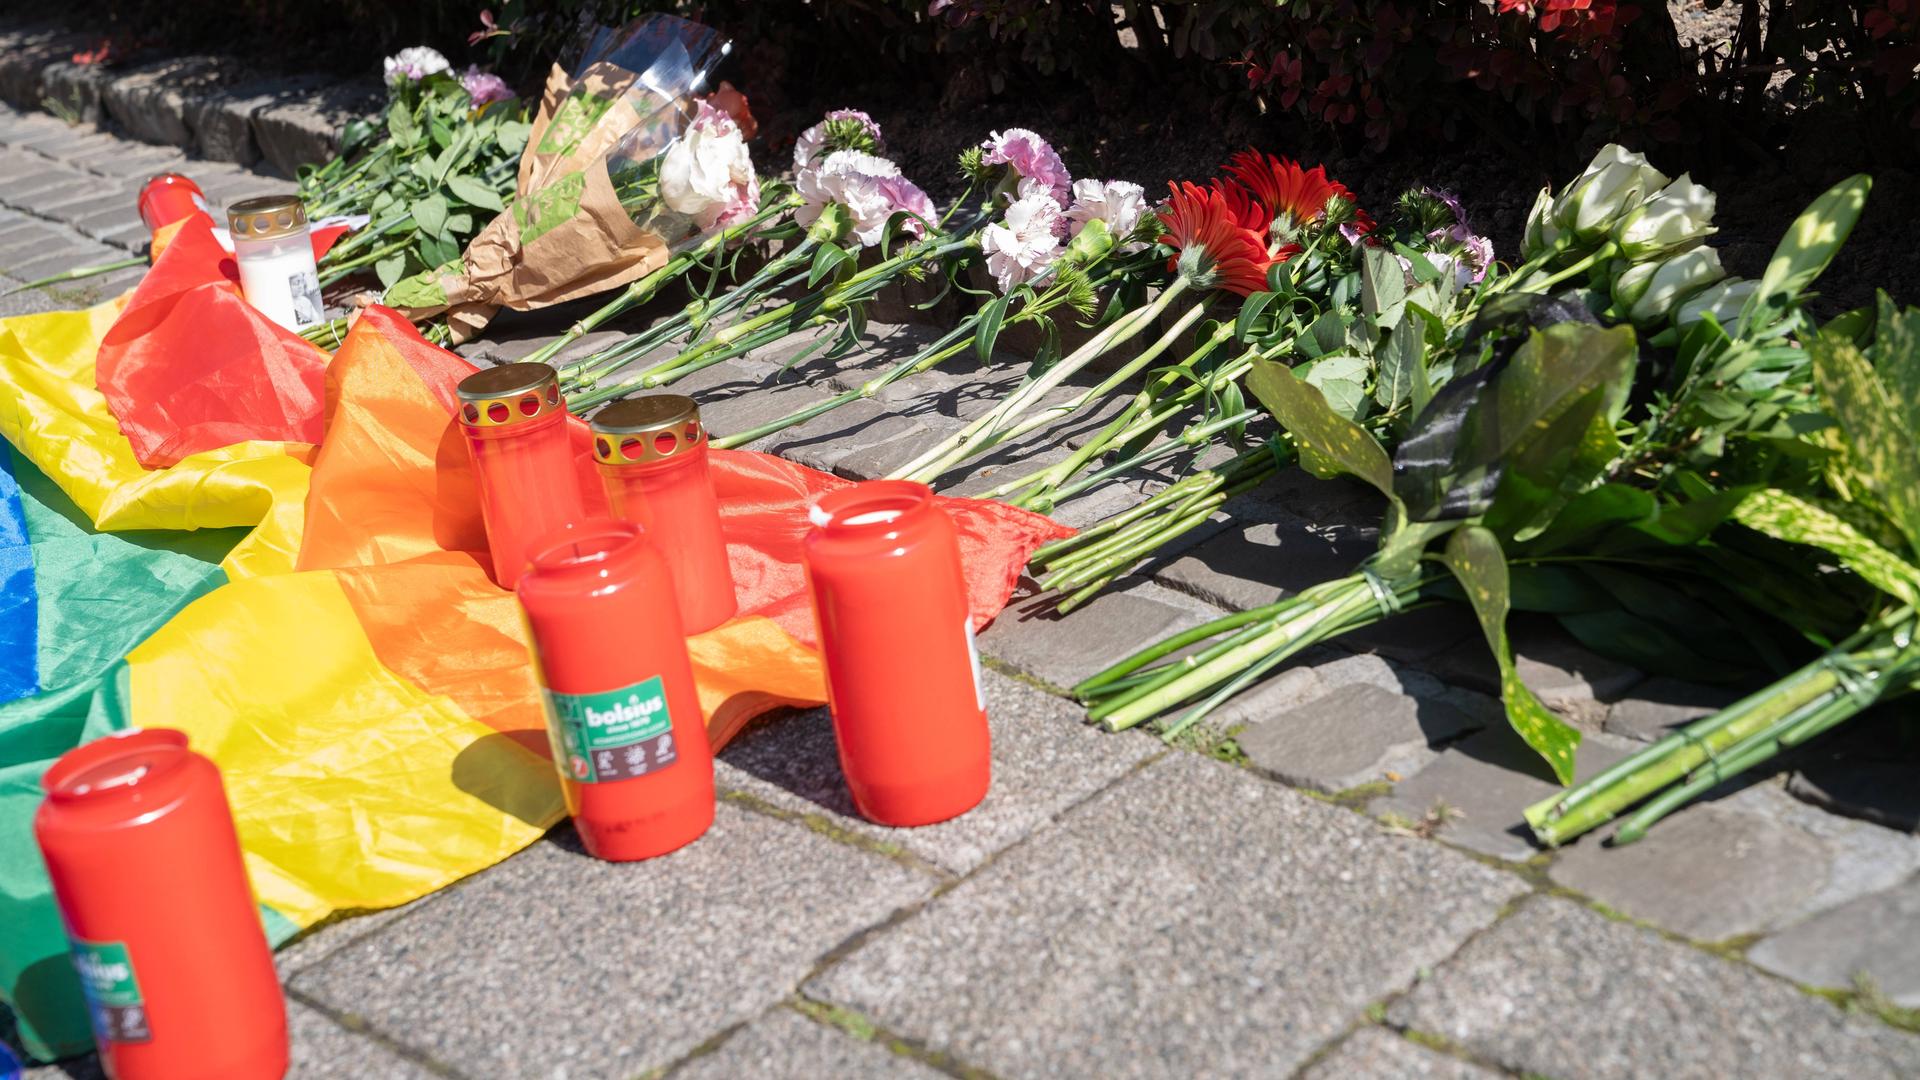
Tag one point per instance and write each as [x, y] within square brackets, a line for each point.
[990, 429]
[79, 274]
[1122, 546]
[1319, 614]
[1112, 678]
[670, 372]
[954, 342]
[1191, 438]
[1750, 730]
[340, 270]
[1606, 251]
[640, 291]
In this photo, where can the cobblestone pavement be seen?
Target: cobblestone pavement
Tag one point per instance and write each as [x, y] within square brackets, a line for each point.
[1340, 889]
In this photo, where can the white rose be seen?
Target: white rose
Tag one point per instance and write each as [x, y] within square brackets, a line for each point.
[1614, 183]
[1649, 291]
[705, 166]
[1679, 215]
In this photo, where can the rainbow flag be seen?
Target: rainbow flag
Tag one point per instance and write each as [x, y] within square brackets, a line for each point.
[316, 615]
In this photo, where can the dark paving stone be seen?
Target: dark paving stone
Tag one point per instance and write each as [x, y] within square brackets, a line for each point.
[1871, 936]
[1883, 792]
[1193, 920]
[1045, 759]
[1558, 990]
[589, 969]
[1255, 565]
[1570, 678]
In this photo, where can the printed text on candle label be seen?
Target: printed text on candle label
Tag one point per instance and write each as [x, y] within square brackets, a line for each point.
[112, 992]
[614, 734]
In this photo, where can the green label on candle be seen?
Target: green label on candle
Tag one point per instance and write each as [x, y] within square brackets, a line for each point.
[111, 990]
[614, 734]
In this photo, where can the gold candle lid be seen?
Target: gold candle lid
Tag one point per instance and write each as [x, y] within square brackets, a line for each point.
[267, 217]
[646, 429]
[508, 394]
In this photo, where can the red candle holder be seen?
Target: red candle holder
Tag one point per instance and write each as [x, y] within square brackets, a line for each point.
[516, 432]
[146, 867]
[903, 678]
[623, 714]
[169, 197]
[652, 455]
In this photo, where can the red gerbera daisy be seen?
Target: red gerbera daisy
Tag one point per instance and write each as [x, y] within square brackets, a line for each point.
[1219, 247]
[1293, 196]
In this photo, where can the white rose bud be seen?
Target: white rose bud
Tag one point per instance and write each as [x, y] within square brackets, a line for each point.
[1668, 283]
[1541, 231]
[1679, 215]
[1723, 301]
[1616, 182]
[699, 171]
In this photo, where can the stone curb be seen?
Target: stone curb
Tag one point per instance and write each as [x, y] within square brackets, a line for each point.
[179, 101]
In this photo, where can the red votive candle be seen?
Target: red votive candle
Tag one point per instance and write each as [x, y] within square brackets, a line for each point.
[622, 711]
[169, 197]
[146, 867]
[652, 453]
[903, 678]
[516, 431]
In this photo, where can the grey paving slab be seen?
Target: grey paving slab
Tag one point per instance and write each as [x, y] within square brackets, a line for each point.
[1412, 636]
[1193, 920]
[1045, 759]
[1570, 678]
[1377, 1054]
[741, 412]
[821, 442]
[320, 1049]
[784, 1045]
[1651, 710]
[1871, 936]
[1352, 735]
[1253, 565]
[1558, 990]
[582, 968]
[1485, 781]
[302, 130]
[69, 255]
[1741, 865]
[1060, 650]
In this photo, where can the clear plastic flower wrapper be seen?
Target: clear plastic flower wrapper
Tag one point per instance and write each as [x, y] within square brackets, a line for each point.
[624, 165]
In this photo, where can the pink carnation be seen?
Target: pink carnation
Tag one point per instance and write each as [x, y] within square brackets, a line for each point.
[484, 87]
[870, 188]
[1024, 243]
[814, 139]
[1031, 158]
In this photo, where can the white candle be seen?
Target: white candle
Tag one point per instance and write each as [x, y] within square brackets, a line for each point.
[278, 275]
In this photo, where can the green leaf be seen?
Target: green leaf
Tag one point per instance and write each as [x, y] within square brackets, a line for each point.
[1304, 412]
[1249, 319]
[430, 214]
[1401, 363]
[513, 135]
[403, 127]
[1473, 554]
[992, 317]
[1342, 380]
[458, 224]
[1788, 517]
[1591, 514]
[389, 269]
[1811, 242]
[826, 262]
[1880, 444]
[472, 191]
[422, 290]
[1383, 285]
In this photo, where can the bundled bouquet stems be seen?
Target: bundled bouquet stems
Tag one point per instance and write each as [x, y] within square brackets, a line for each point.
[1878, 662]
[999, 424]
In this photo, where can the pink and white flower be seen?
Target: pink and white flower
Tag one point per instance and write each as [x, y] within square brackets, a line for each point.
[813, 140]
[1031, 158]
[484, 87]
[1471, 257]
[1025, 242]
[707, 174]
[1119, 203]
[871, 189]
[413, 64]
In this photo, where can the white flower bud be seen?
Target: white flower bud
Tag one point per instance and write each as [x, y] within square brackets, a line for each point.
[1723, 301]
[1679, 215]
[1616, 182]
[1670, 283]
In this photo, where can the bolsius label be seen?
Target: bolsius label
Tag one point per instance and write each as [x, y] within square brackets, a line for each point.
[112, 991]
[614, 734]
